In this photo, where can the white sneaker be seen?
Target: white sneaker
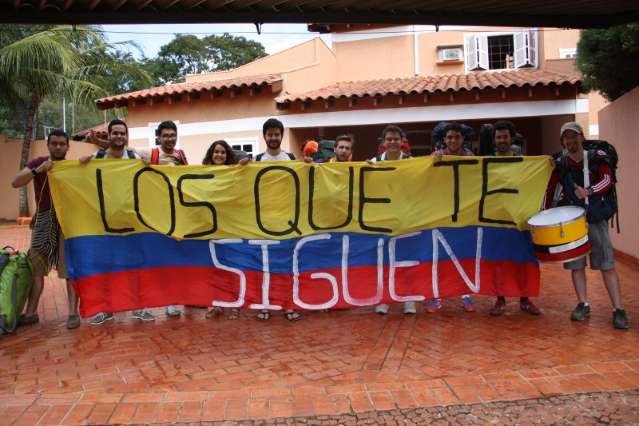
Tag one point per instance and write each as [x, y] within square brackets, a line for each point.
[382, 309]
[173, 311]
[409, 308]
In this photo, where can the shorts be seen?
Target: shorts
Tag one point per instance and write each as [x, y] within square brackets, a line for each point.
[602, 257]
[40, 264]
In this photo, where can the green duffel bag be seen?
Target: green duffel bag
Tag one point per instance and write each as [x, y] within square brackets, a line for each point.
[15, 285]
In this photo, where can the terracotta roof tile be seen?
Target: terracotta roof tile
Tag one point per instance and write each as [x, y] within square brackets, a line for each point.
[431, 84]
[184, 88]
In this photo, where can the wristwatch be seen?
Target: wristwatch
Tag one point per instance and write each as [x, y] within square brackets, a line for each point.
[34, 172]
[589, 191]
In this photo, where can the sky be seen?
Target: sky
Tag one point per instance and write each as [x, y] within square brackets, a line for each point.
[274, 37]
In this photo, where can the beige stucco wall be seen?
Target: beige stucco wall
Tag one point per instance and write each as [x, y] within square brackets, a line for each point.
[428, 44]
[596, 104]
[553, 39]
[321, 73]
[302, 55]
[9, 167]
[205, 109]
[619, 125]
[387, 57]
[550, 129]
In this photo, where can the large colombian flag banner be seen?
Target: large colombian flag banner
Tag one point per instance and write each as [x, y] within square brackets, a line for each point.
[293, 235]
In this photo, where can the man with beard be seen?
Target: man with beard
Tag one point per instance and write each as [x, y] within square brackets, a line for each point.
[273, 132]
[343, 149]
[47, 242]
[504, 132]
[118, 140]
[571, 174]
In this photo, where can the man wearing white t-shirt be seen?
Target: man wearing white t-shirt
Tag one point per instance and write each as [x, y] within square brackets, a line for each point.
[273, 132]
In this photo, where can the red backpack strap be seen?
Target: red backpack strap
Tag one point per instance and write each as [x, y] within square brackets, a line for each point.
[155, 156]
[182, 157]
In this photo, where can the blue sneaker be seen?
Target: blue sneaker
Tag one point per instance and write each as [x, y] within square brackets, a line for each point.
[468, 304]
[433, 305]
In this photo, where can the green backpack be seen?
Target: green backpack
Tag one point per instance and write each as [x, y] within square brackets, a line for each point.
[15, 285]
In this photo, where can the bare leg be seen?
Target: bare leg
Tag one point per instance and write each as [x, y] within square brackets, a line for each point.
[579, 281]
[34, 296]
[611, 279]
[73, 299]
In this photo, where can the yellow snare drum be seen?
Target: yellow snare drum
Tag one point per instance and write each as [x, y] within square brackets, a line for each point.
[560, 234]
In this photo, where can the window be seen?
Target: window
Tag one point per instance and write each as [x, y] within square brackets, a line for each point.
[486, 51]
[568, 53]
[500, 52]
[248, 145]
[450, 53]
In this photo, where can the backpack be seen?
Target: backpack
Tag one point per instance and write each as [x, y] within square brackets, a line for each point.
[612, 159]
[598, 152]
[15, 286]
[258, 157]
[155, 156]
[325, 150]
[102, 154]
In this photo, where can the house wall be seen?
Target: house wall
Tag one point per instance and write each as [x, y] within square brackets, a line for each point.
[550, 129]
[618, 124]
[372, 59]
[297, 56]
[322, 72]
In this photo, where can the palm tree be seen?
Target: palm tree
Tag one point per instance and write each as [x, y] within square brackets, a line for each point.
[55, 62]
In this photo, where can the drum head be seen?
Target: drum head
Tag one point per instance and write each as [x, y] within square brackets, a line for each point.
[556, 216]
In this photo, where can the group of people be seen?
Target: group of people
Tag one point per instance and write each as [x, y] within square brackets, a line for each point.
[47, 250]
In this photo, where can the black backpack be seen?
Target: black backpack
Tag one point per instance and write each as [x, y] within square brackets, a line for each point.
[612, 159]
[102, 154]
[594, 160]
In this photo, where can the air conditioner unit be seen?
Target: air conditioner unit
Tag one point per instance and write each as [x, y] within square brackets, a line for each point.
[450, 54]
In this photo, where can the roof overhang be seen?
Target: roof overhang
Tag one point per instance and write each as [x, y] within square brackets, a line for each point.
[194, 90]
[566, 13]
[446, 87]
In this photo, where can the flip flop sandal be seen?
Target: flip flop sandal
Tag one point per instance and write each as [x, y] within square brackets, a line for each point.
[293, 316]
[263, 315]
[234, 314]
[214, 313]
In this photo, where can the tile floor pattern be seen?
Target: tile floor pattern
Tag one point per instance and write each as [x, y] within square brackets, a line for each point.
[194, 369]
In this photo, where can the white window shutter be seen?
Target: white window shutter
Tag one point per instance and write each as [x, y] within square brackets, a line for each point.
[520, 48]
[483, 51]
[532, 48]
[470, 52]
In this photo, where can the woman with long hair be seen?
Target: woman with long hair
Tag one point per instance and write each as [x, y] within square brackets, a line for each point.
[220, 153]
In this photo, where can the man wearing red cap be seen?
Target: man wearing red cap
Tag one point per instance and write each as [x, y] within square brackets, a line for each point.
[588, 187]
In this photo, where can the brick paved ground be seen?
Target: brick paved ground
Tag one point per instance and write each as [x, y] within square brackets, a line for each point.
[194, 369]
[603, 408]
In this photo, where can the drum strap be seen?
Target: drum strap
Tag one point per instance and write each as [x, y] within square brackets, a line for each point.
[586, 175]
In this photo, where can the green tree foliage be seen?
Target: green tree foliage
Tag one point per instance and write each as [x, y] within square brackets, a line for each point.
[609, 59]
[43, 64]
[188, 54]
